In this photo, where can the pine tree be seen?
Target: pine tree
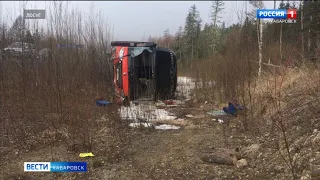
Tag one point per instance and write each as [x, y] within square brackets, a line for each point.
[28, 38]
[192, 31]
[3, 40]
[178, 42]
[16, 32]
[216, 9]
[36, 35]
[203, 42]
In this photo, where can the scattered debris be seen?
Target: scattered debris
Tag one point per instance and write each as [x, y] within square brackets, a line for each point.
[177, 122]
[173, 105]
[168, 102]
[90, 154]
[217, 113]
[220, 121]
[102, 102]
[149, 111]
[166, 127]
[189, 116]
[160, 104]
[233, 108]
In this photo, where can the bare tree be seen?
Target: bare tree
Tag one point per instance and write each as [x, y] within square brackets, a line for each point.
[259, 5]
[302, 35]
[167, 37]
[280, 40]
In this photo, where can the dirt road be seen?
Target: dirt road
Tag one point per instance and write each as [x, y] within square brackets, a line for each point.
[124, 152]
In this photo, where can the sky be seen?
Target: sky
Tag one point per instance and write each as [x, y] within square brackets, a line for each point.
[137, 20]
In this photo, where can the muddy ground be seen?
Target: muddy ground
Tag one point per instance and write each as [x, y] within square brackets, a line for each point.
[202, 148]
[146, 153]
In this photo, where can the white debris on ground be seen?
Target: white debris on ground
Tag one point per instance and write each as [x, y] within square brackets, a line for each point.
[141, 124]
[151, 112]
[146, 111]
[166, 127]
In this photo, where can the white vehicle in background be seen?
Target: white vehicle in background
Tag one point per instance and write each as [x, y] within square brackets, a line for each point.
[18, 49]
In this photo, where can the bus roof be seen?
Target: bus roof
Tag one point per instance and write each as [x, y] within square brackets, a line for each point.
[133, 44]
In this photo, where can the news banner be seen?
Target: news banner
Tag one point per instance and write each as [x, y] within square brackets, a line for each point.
[278, 15]
[55, 167]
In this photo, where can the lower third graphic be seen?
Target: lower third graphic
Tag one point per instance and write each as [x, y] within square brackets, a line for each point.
[55, 166]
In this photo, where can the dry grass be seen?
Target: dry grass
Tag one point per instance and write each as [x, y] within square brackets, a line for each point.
[282, 98]
[51, 102]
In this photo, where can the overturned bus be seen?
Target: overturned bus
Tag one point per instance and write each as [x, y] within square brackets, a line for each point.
[143, 71]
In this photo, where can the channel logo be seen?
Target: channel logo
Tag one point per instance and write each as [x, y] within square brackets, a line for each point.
[55, 166]
[277, 13]
[36, 166]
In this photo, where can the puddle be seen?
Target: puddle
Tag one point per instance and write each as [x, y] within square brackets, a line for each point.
[166, 127]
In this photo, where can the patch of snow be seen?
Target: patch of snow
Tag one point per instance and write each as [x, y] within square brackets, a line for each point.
[140, 124]
[166, 127]
[185, 86]
[147, 110]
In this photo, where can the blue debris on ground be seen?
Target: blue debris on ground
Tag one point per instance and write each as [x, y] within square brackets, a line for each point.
[233, 108]
[102, 103]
